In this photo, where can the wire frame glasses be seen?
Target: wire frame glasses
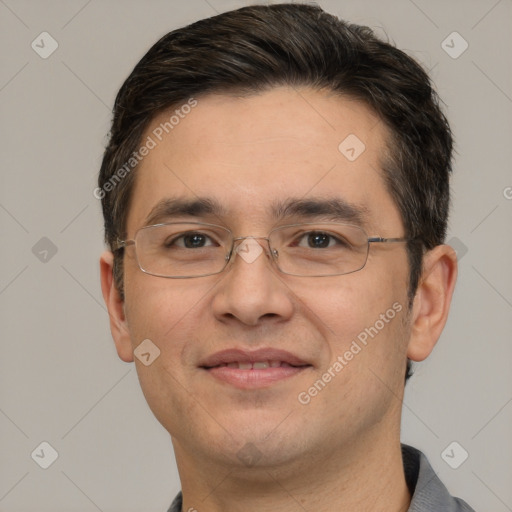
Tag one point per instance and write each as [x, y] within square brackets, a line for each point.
[182, 250]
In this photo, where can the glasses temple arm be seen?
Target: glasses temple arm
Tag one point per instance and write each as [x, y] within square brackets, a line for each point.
[379, 239]
[121, 244]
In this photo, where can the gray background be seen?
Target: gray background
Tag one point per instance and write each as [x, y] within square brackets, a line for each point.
[61, 381]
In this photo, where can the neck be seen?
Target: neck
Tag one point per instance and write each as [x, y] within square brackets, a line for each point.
[362, 477]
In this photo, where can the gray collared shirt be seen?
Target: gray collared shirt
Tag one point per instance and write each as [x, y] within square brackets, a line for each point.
[428, 492]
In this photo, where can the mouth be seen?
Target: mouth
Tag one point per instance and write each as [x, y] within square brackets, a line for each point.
[256, 369]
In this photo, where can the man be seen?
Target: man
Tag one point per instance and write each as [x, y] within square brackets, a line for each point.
[275, 193]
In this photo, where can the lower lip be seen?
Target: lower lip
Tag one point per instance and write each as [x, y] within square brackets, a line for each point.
[255, 378]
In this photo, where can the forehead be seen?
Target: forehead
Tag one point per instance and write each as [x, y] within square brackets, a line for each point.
[248, 153]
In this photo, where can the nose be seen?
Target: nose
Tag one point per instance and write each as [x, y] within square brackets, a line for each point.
[252, 290]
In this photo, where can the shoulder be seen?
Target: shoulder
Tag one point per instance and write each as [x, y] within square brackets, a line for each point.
[428, 492]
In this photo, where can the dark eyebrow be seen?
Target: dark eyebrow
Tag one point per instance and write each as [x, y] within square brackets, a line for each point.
[333, 209]
[181, 207]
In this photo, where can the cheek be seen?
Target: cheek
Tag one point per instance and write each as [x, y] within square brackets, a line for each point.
[165, 312]
[361, 318]
[156, 307]
[172, 314]
[341, 307]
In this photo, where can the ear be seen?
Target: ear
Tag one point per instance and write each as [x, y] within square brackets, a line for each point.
[432, 301]
[115, 306]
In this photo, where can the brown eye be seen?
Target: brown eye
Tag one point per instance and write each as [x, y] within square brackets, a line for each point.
[190, 241]
[320, 240]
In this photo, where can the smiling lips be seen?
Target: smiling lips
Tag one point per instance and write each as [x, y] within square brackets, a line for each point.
[257, 365]
[256, 369]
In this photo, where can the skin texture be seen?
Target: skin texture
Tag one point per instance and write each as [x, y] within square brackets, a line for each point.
[326, 455]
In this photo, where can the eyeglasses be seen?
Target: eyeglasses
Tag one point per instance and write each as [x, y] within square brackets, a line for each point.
[182, 250]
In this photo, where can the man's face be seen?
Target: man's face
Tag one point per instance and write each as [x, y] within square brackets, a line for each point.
[247, 154]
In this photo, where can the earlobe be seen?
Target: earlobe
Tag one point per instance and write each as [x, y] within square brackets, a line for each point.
[115, 307]
[432, 301]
